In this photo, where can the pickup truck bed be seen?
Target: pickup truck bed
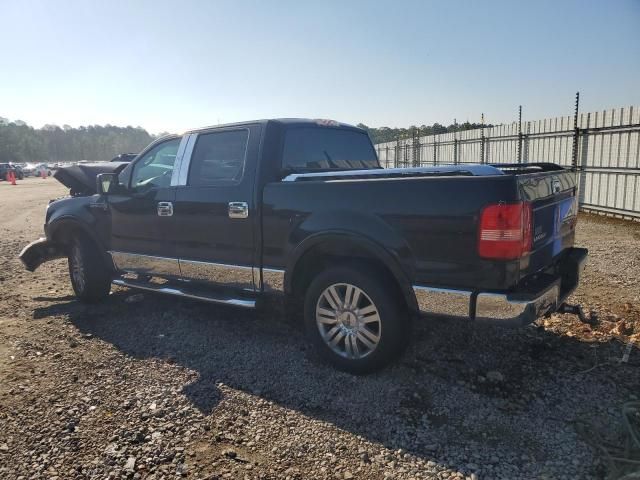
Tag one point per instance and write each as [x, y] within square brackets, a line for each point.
[434, 241]
[230, 214]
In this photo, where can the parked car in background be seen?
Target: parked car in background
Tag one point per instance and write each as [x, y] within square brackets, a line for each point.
[42, 167]
[124, 157]
[232, 213]
[29, 169]
[19, 171]
[5, 168]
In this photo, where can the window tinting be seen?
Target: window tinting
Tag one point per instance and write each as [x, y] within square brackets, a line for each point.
[313, 148]
[155, 168]
[218, 158]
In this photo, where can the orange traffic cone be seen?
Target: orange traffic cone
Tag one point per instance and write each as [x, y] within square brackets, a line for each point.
[12, 177]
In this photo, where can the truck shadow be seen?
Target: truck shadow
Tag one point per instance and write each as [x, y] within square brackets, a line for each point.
[505, 391]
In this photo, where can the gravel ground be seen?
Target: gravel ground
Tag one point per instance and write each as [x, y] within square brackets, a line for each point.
[144, 386]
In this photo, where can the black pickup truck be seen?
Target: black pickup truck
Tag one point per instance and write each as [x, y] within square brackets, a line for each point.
[231, 213]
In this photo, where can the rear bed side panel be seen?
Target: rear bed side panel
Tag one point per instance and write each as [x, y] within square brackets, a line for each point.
[428, 225]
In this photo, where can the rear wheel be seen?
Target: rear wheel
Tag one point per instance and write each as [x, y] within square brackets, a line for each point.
[355, 319]
[90, 277]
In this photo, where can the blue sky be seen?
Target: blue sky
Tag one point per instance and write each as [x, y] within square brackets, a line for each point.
[169, 66]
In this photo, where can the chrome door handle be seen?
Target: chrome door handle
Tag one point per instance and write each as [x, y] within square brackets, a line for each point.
[238, 209]
[165, 209]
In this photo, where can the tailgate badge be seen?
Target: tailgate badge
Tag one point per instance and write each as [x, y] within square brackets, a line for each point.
[555, 186]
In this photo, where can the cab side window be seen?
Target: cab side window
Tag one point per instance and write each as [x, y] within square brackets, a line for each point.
[155, 168]
[218, 158]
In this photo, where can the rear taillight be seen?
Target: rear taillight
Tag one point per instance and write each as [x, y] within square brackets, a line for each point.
[505, 231]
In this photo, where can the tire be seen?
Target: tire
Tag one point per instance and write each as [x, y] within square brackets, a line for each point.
[368, 334]
[90, 277]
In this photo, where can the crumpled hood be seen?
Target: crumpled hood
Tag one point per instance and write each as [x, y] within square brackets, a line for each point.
[81, 179]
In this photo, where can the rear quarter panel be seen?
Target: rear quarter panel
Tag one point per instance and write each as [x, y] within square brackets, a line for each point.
[429, 226]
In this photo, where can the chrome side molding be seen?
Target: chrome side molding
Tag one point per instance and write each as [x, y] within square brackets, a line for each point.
[220, 274]
[242, 277]
[272, 280]
[147, 264]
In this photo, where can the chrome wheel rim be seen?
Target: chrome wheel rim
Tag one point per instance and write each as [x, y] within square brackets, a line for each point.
[77, 270]
[348, 321]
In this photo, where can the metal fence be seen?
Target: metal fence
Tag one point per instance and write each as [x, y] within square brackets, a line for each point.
[602, 147]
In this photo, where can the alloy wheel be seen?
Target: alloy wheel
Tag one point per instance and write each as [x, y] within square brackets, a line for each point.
[348, 321]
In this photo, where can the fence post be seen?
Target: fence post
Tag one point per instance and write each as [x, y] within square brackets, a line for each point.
[482, 138]
[397, 155]
[455, 142]
[520, 134]
[576, 135]
[405, 154]
[525, 142]
[435, 151]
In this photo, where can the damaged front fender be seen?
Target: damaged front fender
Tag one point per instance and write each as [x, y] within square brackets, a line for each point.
[38, 252]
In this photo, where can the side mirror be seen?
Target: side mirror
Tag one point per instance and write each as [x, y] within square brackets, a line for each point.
[105, 183]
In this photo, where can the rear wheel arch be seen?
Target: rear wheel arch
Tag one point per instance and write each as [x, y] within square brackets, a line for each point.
[321, 252]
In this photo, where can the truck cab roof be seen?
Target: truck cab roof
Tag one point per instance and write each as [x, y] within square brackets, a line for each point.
[289, 122]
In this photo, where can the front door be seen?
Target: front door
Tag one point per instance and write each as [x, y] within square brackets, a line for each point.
[215, 216]
[142, 214]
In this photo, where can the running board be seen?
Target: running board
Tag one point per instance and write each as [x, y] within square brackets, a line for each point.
[221, 299]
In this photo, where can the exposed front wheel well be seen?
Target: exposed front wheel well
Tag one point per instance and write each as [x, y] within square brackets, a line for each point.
[65, 235]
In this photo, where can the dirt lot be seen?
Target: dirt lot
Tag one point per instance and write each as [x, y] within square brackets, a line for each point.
[159, 387]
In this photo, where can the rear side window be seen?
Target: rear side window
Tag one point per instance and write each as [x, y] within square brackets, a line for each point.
[318, 148]
[218, 158]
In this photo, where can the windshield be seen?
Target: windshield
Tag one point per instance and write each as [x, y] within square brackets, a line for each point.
[321, 148]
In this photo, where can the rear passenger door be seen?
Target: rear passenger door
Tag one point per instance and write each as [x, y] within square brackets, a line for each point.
[214, 212]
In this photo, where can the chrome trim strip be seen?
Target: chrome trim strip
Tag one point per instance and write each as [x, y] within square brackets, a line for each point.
[443, 301]
[236, 302]
[186, 160]
[473, 169]
[147, 264]
[234, 276]
[499, 307]
[178, 162]
[272, 280]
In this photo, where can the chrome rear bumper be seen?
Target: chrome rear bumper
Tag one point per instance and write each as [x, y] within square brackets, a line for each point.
[505, 308]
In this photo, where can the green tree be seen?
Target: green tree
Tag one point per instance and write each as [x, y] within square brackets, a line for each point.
[21, 143]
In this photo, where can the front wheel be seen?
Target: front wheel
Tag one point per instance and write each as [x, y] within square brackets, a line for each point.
[355, 319]
[90, 277]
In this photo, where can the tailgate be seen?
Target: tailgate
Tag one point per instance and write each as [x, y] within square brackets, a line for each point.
[554, 213]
